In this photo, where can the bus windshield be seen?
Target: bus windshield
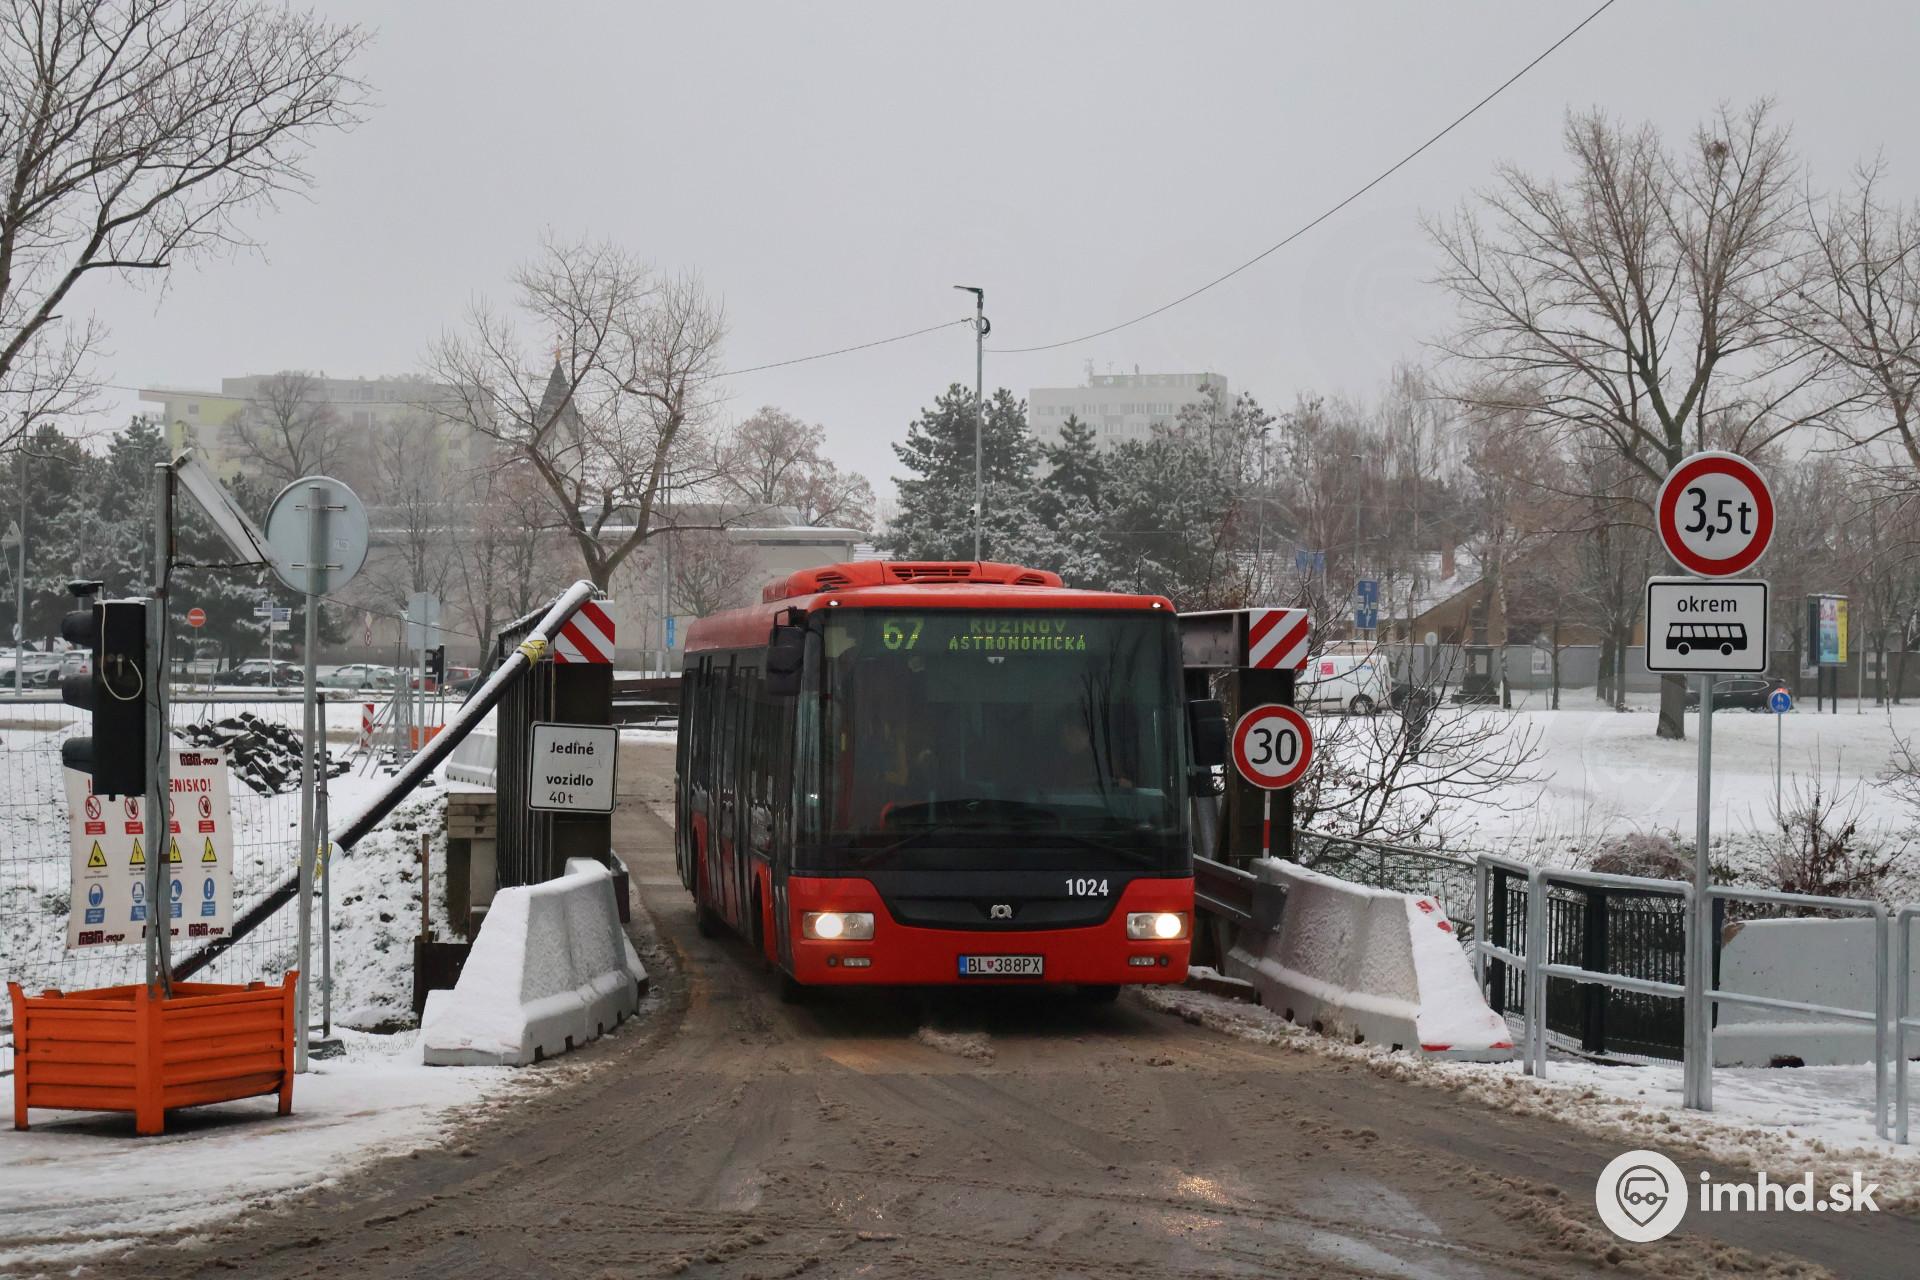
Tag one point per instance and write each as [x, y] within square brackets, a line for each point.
[1056, 727]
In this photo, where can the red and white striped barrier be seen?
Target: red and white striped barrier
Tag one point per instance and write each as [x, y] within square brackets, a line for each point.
[1278, 639]
[366, 726]
[587, 636]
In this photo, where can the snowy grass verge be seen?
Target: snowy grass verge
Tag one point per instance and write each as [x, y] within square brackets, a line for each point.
[1786, 1121]
[77, 1185]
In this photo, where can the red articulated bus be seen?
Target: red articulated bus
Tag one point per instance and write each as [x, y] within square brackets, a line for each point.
[920, 773]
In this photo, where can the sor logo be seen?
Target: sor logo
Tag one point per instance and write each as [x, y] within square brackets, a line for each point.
[1641, 1196]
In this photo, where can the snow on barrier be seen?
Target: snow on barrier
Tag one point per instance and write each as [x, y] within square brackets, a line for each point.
[1360, 963]
[474, 759]
[1817, 961]
[551, 969]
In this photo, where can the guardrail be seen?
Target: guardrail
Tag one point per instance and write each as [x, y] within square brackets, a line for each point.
[1537, 969]
[1223, 890]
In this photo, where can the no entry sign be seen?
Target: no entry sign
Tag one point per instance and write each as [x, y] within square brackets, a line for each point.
[1715, 514]
[196, 617]
[1272, 746]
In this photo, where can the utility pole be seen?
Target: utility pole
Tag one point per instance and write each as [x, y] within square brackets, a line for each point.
[980, 330]
[20, 578]
[1358, 462]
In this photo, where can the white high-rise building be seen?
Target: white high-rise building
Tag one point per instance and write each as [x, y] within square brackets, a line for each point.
[1119, 406]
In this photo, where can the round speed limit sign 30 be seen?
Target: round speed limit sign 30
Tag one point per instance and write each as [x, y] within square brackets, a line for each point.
[1715, 514]
[1272, 746]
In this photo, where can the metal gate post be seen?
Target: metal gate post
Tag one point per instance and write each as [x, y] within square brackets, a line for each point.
[1500, 935]
[1593, 955]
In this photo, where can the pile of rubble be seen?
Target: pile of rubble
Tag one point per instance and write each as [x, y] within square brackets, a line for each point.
[263, 754]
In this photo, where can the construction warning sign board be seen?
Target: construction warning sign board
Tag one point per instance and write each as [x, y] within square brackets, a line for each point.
[109, 900]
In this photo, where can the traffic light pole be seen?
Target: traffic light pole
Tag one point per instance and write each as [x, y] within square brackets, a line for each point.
[159, 827]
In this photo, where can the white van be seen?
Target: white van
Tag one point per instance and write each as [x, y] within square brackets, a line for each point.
[1358, 683]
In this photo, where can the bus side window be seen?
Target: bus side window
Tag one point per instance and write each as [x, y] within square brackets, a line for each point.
[806, 748]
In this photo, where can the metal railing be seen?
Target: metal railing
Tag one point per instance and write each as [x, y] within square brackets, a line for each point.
[1446, 878]
[1877, 1016]
[1537, 968]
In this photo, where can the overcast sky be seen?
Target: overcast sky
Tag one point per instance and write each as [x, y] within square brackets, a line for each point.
[832, 169]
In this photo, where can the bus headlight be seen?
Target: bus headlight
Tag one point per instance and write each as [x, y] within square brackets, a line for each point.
[1156, 926]
[837, 926]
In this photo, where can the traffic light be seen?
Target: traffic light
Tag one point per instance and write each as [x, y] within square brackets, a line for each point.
[113, 688]
[437, 664]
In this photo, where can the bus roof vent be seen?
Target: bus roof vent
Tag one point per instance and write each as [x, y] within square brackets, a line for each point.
[879, 573]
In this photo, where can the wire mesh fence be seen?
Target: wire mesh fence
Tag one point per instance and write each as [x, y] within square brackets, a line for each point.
[262, 734]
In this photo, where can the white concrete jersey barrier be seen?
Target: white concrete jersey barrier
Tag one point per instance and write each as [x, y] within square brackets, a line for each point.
[1372, 964]
[551, 969]
[1826, 962]
[474, 760]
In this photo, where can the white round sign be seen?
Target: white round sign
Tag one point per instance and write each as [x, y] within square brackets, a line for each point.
[1272, 746]
[1715, 514]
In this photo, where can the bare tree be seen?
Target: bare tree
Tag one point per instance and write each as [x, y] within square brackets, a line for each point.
[136, 133]
[1641, 302]
[498, 561]
[621, 404]
[288, 430]
[1861, 296]
[773, 459]
[413, 506]
[710, 572]
[1403, 778]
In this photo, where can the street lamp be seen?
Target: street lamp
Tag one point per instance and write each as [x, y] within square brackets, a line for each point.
[980, 328]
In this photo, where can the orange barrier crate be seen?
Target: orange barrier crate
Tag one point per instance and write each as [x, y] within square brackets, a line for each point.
[120, 1049]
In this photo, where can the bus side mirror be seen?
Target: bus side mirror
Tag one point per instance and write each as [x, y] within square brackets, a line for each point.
[1207, 722]
[786, 654]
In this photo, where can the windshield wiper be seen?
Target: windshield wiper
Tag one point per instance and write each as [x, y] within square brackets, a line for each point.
[1143, 857]
[972, 812]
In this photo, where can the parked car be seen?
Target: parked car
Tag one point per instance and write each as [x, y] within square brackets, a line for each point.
[37, 670]
[259, 671]
[1737, 693]
[359, 675]
[1356, 683]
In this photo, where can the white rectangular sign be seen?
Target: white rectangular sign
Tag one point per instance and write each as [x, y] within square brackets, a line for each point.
[112, 842]
[570, 767]
[1714, 626]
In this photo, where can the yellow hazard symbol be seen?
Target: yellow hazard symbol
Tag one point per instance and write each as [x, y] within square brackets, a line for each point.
[173, 852]
[139, 858]
[96, 858]
[209, 855]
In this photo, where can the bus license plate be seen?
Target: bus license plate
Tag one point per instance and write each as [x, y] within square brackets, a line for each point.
[1002, 966]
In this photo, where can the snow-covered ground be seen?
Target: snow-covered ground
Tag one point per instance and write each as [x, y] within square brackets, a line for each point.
[1605, 773]
[78, 1185]
[1787, 1121]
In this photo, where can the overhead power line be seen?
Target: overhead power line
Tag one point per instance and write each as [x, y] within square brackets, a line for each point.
[1295, 234]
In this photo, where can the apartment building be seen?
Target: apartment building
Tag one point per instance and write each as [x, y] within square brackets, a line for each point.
[1119, 406]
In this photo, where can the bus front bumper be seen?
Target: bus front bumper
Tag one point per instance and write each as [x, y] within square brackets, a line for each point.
[911, 955]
